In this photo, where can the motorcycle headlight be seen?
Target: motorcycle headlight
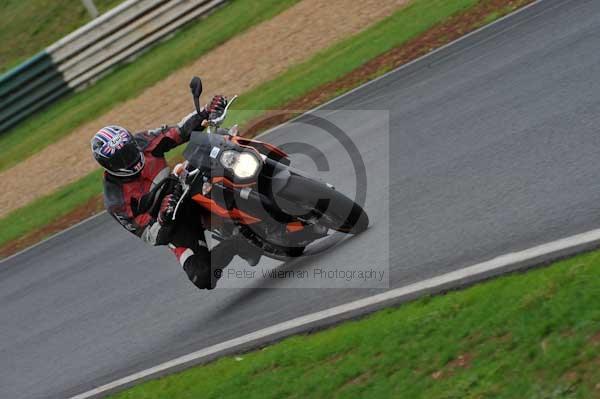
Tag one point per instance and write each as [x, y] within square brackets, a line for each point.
[229, 158]
[243, 164]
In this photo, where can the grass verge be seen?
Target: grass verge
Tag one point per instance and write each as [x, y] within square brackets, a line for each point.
[129, 80]
[46, 210]
[403, 36]
[30, 26]
[535, 335]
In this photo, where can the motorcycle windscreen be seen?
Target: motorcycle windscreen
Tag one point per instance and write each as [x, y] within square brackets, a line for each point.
[203, 150]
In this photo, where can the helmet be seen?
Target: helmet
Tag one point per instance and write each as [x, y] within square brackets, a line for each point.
[117, 152]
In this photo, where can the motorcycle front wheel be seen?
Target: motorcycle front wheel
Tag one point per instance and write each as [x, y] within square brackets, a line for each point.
[331, 208]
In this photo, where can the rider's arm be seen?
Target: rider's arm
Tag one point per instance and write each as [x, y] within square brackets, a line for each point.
[161, 140]
[142, 225]
[166, 138]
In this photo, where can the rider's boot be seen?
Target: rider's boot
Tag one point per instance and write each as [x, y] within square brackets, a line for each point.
[248, 252]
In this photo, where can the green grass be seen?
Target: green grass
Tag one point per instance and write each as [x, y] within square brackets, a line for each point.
[129, 80]
[47, 209]
[535, 335]
[29, 26]
[323, 67]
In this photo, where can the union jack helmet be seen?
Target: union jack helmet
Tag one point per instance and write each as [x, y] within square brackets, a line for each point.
[117, 152]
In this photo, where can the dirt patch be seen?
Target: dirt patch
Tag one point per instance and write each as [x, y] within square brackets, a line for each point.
[435, 37]
[358, 380]
[595, 339]
[571, 377]
[338, 357]
[237, 66]
[461, 362]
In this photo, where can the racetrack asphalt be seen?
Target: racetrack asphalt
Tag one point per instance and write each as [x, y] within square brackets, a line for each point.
[493, 147]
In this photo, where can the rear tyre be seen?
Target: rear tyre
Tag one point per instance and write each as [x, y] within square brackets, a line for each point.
[332, 209]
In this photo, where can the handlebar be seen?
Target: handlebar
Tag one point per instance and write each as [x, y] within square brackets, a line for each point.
[217, 121]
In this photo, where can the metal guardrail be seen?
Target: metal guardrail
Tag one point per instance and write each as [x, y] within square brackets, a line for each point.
[83, 56]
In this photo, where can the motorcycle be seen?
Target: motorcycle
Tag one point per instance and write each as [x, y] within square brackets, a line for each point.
[247, 188]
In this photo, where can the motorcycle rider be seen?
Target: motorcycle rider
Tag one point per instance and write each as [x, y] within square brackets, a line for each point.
[134, 165]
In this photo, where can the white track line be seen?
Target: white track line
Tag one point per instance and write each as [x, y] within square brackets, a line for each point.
[472, 273]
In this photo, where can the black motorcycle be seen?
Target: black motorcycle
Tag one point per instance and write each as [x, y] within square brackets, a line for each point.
[246, 188]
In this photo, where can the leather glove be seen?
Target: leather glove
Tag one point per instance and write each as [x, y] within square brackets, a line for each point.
[216, 107]
[167, 207]
[192, 122]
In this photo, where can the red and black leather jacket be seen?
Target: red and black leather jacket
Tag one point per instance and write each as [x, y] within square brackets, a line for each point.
[123, 195]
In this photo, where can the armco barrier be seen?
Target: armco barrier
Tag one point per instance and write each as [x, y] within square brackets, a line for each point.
[82, 56]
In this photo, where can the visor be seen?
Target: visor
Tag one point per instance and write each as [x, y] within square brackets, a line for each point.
[127, 161]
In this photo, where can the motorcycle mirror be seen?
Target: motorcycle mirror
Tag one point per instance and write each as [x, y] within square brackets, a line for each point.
[196, 88]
